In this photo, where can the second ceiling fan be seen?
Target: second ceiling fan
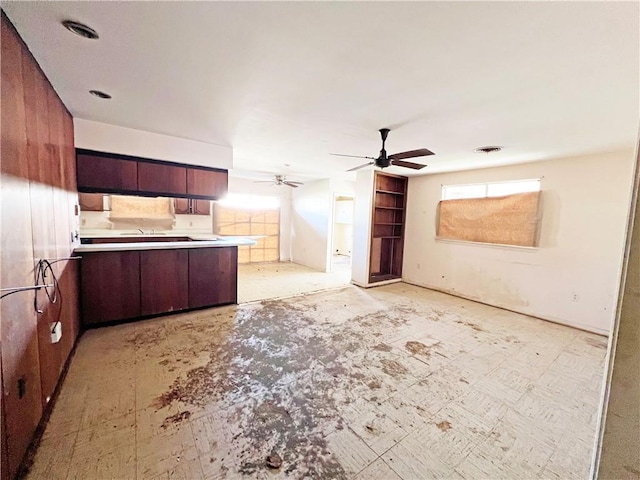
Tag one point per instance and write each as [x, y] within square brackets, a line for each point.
[395, 159]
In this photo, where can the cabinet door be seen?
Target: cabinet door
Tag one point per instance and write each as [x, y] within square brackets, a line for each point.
[103, 174]
[200, 207]
[213, 276]
[91, 202]
[182, 206]
[110, 286]
[164, 281]
[162, 179]
[207, 183]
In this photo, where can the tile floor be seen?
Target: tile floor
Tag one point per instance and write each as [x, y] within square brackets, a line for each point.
[386, 383]
[260, 281]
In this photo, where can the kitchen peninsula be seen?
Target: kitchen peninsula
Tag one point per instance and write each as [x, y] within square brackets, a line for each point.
[130, 277]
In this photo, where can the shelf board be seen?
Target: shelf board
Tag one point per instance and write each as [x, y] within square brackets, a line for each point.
[387, 236]
[389, 191]
[382, 277]
[381, 223]
[389, 208]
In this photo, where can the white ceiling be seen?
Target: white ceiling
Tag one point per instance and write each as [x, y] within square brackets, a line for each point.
[288, 83]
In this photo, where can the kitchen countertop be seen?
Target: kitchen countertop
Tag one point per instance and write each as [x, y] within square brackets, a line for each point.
[197, 241]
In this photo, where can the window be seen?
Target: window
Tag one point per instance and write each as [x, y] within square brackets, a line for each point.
[252, 215]
[503, 213]
[494, 189]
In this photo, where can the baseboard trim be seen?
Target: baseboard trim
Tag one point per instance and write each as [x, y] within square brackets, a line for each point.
[27, 460]
[520, 312]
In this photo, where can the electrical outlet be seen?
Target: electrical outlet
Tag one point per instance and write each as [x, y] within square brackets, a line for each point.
[56, 332]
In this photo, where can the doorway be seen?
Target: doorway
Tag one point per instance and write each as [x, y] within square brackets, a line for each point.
[342, 233]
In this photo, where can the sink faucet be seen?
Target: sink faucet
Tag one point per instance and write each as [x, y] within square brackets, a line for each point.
[141, 231]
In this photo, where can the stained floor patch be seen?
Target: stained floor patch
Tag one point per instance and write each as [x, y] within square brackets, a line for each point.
[331, 385]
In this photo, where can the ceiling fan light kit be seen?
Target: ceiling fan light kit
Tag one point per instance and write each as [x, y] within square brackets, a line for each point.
[395, 159]
[281, 180]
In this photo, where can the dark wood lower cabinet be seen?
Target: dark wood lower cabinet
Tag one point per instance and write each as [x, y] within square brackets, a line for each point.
[110, 286]
[164, 277]
[125, 285]
[213, 275]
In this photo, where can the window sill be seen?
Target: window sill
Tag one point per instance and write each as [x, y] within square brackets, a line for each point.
[488, 245]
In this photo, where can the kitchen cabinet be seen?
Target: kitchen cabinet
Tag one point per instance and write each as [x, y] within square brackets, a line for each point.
[100, 174]
[162, 179]
[207, 183]
[164, 276]
[192, 206]
[91, 202]
[110, 286]
[213, 276]
[182, 206]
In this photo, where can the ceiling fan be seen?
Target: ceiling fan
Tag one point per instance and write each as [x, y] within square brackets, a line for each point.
[396, 159]
[281, 180]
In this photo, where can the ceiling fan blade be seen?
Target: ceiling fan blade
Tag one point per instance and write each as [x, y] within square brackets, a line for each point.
[422, 152]
[295, 183]
[352, 156]
[292, 184]
[400, 163]
[360, 166]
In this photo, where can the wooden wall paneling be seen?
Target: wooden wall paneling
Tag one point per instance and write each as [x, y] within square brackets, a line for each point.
[164, 281]
[42, 172]
[4, 463]
[20, 362]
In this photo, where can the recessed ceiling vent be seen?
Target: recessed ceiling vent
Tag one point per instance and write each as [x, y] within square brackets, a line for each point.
[491, 149]
[99, 94]
[80, 29]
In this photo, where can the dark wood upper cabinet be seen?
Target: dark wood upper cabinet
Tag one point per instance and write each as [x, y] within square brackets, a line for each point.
[200, 207]
[106, 175]
[162, 178]
[190, 206]
[91, 202]
[207, 183]
[100, 172]
[182, 206]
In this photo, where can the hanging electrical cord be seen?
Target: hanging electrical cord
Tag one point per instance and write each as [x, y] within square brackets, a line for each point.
[54, 294]
[42, 268]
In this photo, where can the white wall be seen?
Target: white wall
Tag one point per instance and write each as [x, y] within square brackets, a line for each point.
[246, 186]
[310, 222]
[573, 276]
[128, 141]
[362, 227]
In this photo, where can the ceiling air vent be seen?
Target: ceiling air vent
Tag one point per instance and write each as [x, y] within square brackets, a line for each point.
[99, 94]
[490, 149]
[80, 29]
